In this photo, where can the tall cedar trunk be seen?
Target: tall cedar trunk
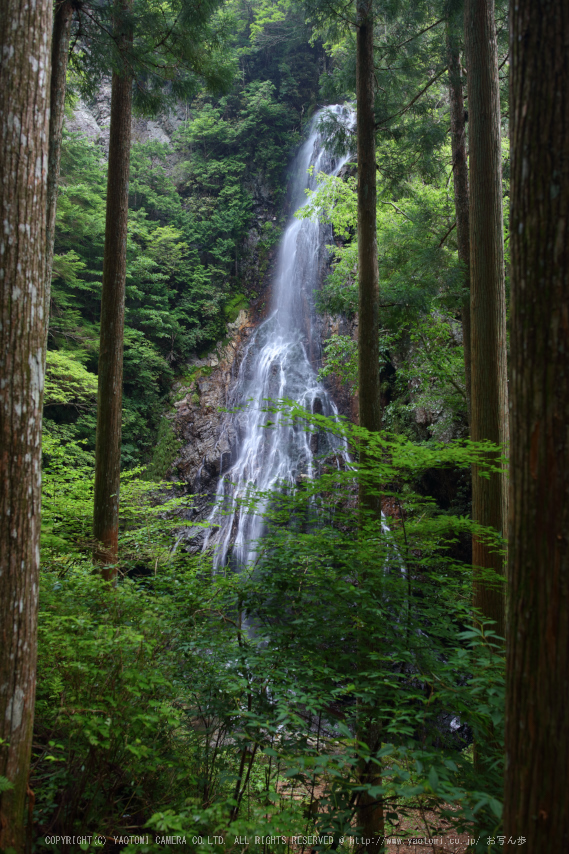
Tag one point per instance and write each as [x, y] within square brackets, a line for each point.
[537, 734]
[25, 39]
[460, 175]
[59, 55]
[487, 293]
[368, 318]
[370, 810]
[109, 407]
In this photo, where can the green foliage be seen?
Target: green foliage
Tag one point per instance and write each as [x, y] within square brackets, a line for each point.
[420, 280]
[252, 125]
[107, 714]
[191, 207]
[430, 383]
[5, 784]
[417, 268]
[341, 358]
[181, 701]
[421, 293]
[234, 306]
[172, 49]
[166, 450]
[67, 382]
[318, 588]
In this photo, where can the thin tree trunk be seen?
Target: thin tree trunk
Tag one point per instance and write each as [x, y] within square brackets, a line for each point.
[25, 41]
[460, 174]
[487, 294]
[537, 699]
[109, 408]
[59, 56]
[368, 318]
[370, 810]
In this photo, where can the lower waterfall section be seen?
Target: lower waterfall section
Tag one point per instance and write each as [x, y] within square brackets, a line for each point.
[273, 452]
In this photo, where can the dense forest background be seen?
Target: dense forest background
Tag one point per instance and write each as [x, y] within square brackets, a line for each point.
[346, 691]
[191, 267]
[192, 203]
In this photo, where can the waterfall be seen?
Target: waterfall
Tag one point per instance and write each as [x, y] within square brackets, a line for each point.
[277, 365]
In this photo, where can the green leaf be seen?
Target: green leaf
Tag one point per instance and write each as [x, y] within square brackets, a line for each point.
[5, 784]
[433, 779]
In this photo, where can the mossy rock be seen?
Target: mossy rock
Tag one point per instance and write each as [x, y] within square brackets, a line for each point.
[236, 304]
[189, 377]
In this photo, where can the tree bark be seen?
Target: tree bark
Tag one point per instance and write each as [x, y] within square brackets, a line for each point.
[487, 295]
[460, 176]
[537, 733]
[368, 318]
[59, 56]
[370, 810]
[109, 408]
[25, 40]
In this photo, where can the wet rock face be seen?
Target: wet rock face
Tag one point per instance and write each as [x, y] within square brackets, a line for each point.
[205, 427]
[209, 432]
[201, 423]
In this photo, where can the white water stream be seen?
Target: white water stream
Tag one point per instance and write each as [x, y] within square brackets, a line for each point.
[277, 365]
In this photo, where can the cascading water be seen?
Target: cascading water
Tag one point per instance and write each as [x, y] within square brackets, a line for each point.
[277, 365]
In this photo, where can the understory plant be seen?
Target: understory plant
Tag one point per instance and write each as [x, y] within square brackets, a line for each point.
[228, 706]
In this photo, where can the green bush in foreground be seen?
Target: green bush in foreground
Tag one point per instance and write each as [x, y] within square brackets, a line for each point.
[237, 705]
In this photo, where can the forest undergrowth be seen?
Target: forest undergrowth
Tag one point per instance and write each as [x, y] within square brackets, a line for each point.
[180, 702]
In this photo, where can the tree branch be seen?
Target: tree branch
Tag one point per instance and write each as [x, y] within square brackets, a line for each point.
[393, 205]
[453, 226]
[416, 98]
[504, 61]
[416, 36]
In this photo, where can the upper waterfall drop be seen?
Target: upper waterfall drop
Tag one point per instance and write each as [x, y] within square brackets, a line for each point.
[277, 365]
